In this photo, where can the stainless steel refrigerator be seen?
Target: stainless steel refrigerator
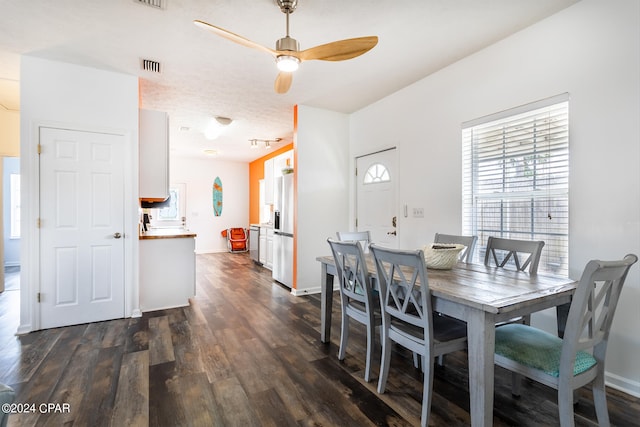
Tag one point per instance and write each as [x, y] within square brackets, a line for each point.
[283, 230]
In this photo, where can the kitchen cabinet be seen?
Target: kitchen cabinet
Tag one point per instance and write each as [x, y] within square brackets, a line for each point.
[266, 246]
[262, 251]
[167, 269]
[268, 181]
[282, 161]
[153, 155]
[269, 263]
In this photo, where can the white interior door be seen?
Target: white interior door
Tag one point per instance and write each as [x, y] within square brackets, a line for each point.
[81, 227]
[376, 198]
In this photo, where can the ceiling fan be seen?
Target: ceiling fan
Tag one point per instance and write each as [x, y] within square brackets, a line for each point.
[287, 53]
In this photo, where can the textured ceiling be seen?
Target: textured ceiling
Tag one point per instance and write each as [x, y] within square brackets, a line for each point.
[204, 75]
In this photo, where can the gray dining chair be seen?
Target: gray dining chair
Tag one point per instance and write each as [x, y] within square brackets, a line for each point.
[578, 358]
[511, 253]
[358, 299]
[517, 255]
[408, 319]
[466, 255]
[364, 237]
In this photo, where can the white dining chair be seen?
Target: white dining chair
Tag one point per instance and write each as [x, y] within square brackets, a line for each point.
[466, 255]
[408, 319]
[578, 358]
[358, 299]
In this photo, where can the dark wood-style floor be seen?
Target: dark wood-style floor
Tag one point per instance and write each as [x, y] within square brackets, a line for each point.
[245, 353]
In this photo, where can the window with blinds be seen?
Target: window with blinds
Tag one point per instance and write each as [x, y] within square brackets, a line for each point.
[516, 179]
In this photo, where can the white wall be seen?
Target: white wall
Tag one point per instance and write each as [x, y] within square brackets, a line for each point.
[198, 175]
[64, 95]
[590, 50]
[322, 167]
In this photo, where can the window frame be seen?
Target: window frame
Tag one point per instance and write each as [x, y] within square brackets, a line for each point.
[530, 166]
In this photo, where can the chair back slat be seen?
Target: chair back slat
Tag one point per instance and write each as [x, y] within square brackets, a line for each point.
[522, 253]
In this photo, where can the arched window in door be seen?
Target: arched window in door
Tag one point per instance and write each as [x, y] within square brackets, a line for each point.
[377, 172]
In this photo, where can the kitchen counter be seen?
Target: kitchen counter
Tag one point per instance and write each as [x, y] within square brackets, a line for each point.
[166, 233]
[167, 268]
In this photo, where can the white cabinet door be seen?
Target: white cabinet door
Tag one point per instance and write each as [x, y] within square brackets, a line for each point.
[154, 155]
[263, 245]
[269, 260]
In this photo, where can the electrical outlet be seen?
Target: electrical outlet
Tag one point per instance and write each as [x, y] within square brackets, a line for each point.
[418, 212]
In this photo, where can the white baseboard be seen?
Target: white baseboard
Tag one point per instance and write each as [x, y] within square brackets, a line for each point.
[624, 385]
[306, 291]
[23, 329]
[210, 251]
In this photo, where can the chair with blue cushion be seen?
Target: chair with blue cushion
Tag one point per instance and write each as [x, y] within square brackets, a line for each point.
[578, 358]
[408, 319]
[359, 301]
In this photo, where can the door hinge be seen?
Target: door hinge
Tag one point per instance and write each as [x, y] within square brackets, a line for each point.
[39, 149]
[38, 223]
[39, 297]
[356, 222]
[356, 171]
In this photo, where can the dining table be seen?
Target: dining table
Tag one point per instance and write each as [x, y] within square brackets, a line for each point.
[481, 296]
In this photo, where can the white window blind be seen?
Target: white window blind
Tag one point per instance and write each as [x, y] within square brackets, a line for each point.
[516, 179]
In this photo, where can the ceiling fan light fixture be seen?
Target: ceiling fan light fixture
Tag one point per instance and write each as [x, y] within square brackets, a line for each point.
[287, 63]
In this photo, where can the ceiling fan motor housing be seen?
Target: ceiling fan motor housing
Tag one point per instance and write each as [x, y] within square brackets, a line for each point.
[287, 6]
[287, 43]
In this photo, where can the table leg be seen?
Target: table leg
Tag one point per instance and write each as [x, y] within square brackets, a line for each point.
[326, 303]
[481, 335]
[562, 313]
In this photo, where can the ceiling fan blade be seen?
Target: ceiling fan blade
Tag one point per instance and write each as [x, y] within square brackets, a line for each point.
[283, 82]
[340, 50]
[233, 37]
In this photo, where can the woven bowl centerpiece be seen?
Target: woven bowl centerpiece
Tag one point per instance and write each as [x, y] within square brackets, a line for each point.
[442, 256]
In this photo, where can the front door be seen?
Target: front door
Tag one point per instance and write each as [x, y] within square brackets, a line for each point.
[81, 227]
[376, 198]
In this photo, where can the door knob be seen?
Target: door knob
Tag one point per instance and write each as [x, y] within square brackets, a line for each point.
[117, 235]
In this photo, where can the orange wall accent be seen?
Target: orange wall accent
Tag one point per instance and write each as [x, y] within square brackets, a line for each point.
[295, 192]
[256, 173]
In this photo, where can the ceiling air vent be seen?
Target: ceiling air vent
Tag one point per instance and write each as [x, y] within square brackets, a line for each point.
[149, 65]
[158, 4]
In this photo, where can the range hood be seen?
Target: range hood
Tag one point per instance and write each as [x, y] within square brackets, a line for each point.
[155, 203]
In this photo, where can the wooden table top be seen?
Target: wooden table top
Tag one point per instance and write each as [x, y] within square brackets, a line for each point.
[491, 289]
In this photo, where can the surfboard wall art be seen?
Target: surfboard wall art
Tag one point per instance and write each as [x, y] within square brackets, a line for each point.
[217, 196]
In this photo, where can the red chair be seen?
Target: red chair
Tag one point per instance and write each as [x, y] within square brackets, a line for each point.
[237, 239]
